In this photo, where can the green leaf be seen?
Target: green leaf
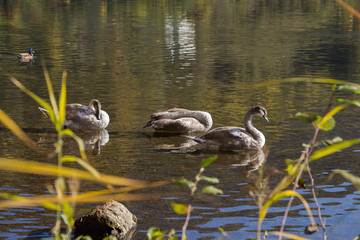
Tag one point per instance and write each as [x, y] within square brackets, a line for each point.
[184, 183]
[326, 126]
[211, 190]
[206, 162]
[306, 117]
[155, 233]
[212, 180]
[333, 148]
[171, 234]
[289, 168]
[306, 145]
[68, 215]
[349, 88]
[68, 158]
[354, 102]
[325, 123]
[179, 208]
[328, 142]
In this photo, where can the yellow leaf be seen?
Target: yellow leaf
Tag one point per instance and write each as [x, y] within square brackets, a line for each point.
[331, 113]
[289, 235]
[333, 148]
[179, 208]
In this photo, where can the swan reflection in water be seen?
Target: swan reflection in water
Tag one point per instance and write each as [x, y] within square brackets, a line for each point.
[93, 140]
[249, 160]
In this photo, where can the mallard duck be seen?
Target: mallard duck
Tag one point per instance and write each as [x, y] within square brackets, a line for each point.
[236, 138]
[81, 117]
[26, 56]
[179, 120]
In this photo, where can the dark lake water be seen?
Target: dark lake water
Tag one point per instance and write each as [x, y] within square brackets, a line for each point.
[139, 57]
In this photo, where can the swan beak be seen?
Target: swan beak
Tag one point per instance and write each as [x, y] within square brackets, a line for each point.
[265, 117]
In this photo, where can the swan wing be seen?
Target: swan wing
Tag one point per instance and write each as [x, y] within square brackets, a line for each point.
[183, 125]
[79, 116]
[228, 138]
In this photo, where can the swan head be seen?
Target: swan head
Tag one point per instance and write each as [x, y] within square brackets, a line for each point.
[95, 105]
[100, 115]
[259, 110]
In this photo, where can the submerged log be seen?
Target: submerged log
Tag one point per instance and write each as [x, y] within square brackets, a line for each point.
[110, 219]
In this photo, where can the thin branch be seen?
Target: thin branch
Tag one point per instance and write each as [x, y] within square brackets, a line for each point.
[192, 189]
[307, 153]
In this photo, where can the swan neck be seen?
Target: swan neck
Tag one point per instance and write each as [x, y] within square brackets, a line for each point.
[259, 137]
[205, 119]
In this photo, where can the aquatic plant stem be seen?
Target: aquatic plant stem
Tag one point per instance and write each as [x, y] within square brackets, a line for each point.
[183, 236]
[315, 199]
[188, 212]
[307, 153]
[56, 228]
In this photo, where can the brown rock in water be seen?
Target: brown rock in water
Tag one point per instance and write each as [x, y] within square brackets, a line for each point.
[112, 218]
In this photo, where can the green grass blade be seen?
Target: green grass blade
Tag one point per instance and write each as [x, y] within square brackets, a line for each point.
[15, 129]
[354, 102]
[277, 197]
[53, 170]
[352, 178]
[207, 161]
[51, 92]
[333, 148]
[39, 100]
[51, 200]
[79, 141]
[67, 215]
[62, 100]
[88, 167]
[308, 80]
[45, 204]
